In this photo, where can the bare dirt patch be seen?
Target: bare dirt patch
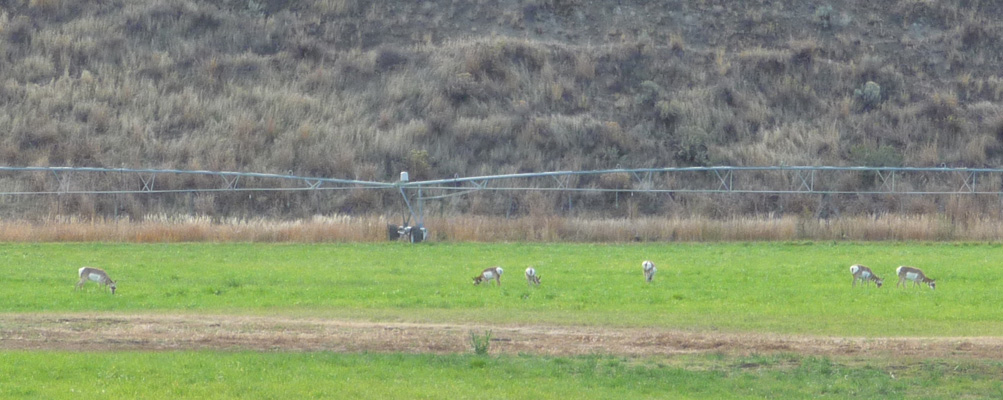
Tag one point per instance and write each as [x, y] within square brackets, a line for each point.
[108, 332]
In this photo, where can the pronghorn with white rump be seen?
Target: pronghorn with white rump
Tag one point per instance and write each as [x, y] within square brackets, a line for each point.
[865, 275]
[488, 274]
[532, 277]
[649, 270]
[915, 275]
[96, 275]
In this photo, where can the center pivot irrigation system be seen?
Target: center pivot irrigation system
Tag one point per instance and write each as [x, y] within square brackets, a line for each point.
[14, 181]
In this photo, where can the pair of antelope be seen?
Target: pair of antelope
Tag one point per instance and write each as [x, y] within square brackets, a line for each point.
[495, 273]
[905, 273]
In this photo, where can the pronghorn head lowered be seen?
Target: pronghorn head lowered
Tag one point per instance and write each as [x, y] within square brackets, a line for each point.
[96, 275]
[649, 270]
[489, 274]
[915, 275]
[532, 277]
[864, 274]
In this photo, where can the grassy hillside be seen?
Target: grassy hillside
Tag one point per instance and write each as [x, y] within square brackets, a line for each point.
[363, 90]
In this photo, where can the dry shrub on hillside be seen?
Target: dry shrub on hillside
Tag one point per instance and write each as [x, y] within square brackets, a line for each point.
[389, 58]
[612, 134]
[36, 69]
[585, 67]
[978, 35]
[804, 51]
[941, 106]
[320, 88]
[18, 31]
[925, 12]
[615, 181]
[943, 110]
[463, 87]
[498, 60]
[483, 134]
[963, 222]
[874, 68]
[979, 148]
[360, 201]
[923, 155]
[759, 62]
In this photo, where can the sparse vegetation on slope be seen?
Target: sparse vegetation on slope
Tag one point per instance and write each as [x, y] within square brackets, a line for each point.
[363, 90]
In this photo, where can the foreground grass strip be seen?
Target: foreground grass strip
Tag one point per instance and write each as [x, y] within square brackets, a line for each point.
[798, 288]
[71, 375]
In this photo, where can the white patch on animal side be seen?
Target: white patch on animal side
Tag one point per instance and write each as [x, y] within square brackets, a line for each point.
[94, 277]
[649, 270]
[488, 275]
[531, 276]
[865, 275]
[911, 276]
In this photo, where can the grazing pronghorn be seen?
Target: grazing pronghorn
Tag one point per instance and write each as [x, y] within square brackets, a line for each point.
[489, 274]
[96, 275]
[649, 270]
[865, 275]
[532, 277]
[914, 275]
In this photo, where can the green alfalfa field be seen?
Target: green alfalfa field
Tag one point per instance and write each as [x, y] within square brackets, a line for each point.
[797, 288]
[801, 288]
[274, 375]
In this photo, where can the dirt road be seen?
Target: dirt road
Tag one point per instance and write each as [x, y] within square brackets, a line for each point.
[103, 332]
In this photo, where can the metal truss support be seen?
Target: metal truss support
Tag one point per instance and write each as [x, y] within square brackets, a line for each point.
[727, 181]
[969, 184]
[645, 182]
[805, 181]
[313, 184]
[148, 182]
[480, 184]
[563, 184]
[62, 182]
[407, 203]
[230, 184]
[421, 209]
[887, 180]
[707, 179]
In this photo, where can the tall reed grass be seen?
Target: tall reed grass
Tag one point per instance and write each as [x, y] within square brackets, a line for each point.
[157, 229]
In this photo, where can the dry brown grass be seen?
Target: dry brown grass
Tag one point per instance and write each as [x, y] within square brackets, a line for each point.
[159, 229]
[355, 89]
[965, 227]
